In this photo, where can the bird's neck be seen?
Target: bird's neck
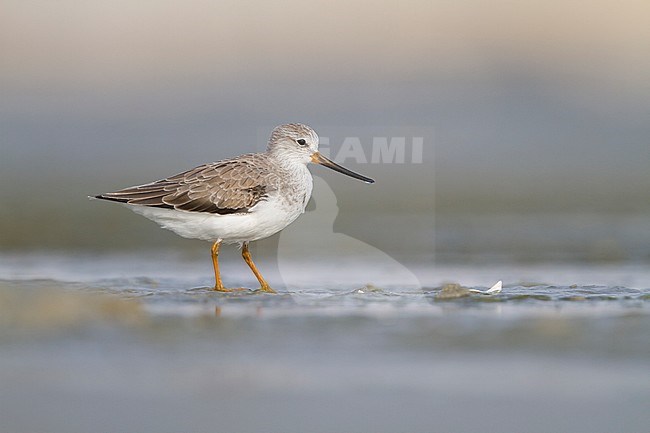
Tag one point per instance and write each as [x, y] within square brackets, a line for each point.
[290, 163]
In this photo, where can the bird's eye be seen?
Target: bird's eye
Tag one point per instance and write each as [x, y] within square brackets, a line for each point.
[302, 142]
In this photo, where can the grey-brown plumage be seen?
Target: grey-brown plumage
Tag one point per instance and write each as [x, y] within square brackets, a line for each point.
[224, 187]
[237, 200]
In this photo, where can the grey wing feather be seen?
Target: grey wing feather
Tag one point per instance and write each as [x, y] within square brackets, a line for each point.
[225, 187]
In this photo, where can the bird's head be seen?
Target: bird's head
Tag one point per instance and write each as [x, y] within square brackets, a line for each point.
[299, 143]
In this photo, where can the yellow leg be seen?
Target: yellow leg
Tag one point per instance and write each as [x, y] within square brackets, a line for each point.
[218, 286]
[264, 286]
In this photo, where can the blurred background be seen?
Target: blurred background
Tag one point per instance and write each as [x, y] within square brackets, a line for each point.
[539, 112]
[535, 126]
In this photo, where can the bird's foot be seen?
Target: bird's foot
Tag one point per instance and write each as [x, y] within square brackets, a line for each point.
[228, 290]
[265, 289]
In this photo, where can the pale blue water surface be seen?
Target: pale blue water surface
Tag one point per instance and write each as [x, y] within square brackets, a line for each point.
[138, 342]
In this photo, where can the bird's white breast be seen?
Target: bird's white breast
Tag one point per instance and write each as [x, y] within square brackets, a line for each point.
[269, 216]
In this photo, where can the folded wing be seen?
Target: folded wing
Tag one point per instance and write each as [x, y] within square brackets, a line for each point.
[225, 187]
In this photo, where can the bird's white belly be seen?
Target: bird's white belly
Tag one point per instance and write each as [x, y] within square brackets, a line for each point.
[265, 219]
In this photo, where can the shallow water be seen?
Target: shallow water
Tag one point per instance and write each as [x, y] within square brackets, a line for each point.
[140, 343]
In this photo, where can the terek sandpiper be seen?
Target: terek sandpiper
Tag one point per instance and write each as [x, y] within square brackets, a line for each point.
[237, 200]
